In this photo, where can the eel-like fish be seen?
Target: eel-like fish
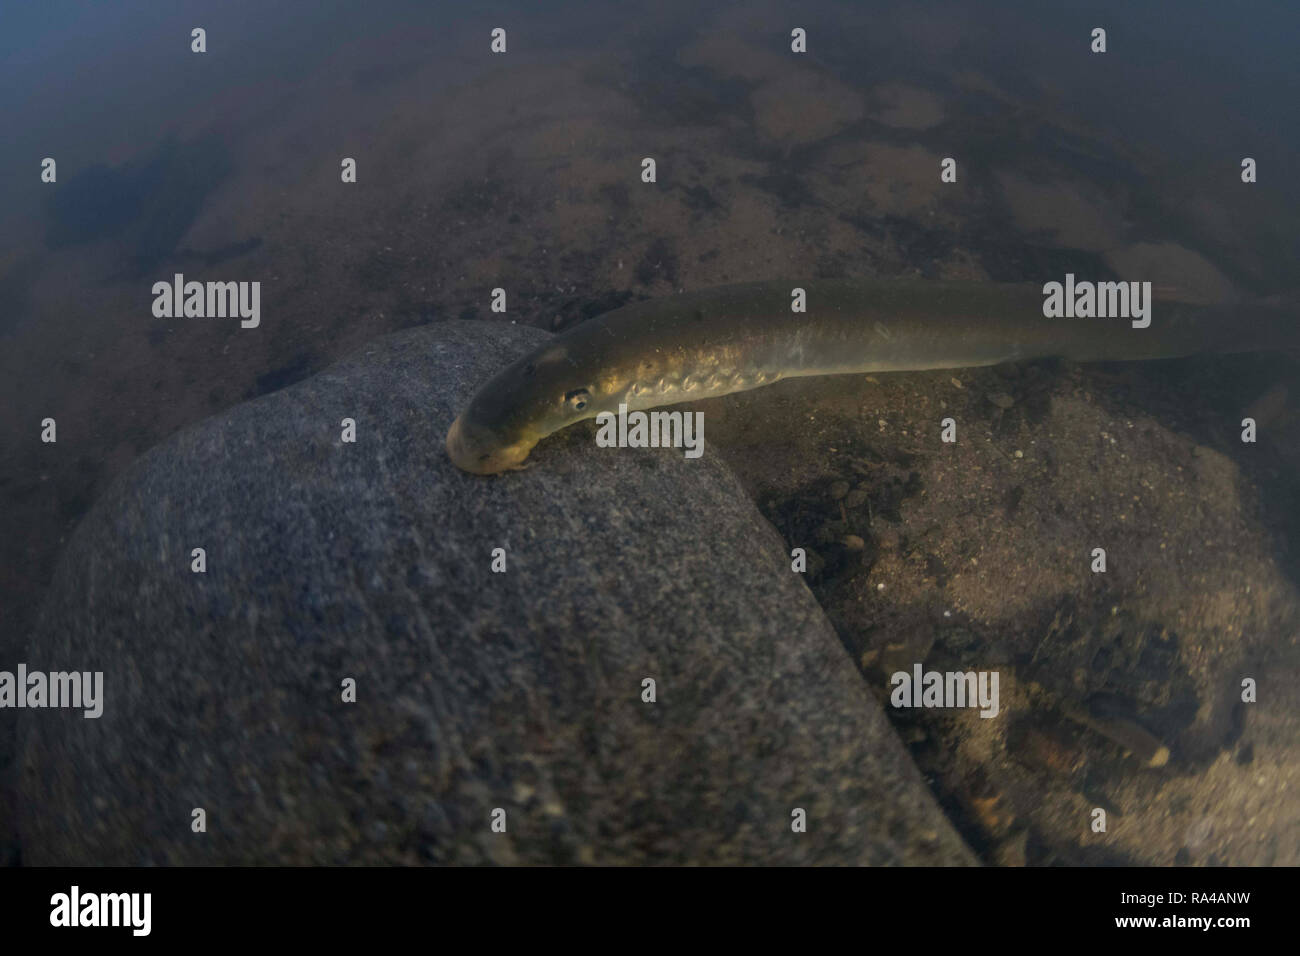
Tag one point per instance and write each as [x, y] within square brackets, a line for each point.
[732, 338]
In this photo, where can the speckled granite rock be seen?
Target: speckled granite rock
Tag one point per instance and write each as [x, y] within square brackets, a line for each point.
[475, 690]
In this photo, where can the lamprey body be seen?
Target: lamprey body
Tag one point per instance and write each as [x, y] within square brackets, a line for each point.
[733, 338]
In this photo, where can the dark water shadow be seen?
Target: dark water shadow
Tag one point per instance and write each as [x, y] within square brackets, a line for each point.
[146, 204]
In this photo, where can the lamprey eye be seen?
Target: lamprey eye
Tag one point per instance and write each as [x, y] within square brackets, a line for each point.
[577, 399]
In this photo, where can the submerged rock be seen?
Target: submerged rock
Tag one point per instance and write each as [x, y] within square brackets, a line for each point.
[476, 692]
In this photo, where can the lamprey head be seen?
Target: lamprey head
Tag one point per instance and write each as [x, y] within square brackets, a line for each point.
[511, 413]
[477, 450]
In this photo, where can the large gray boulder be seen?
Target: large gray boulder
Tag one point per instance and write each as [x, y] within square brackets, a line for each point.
[475, 690]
